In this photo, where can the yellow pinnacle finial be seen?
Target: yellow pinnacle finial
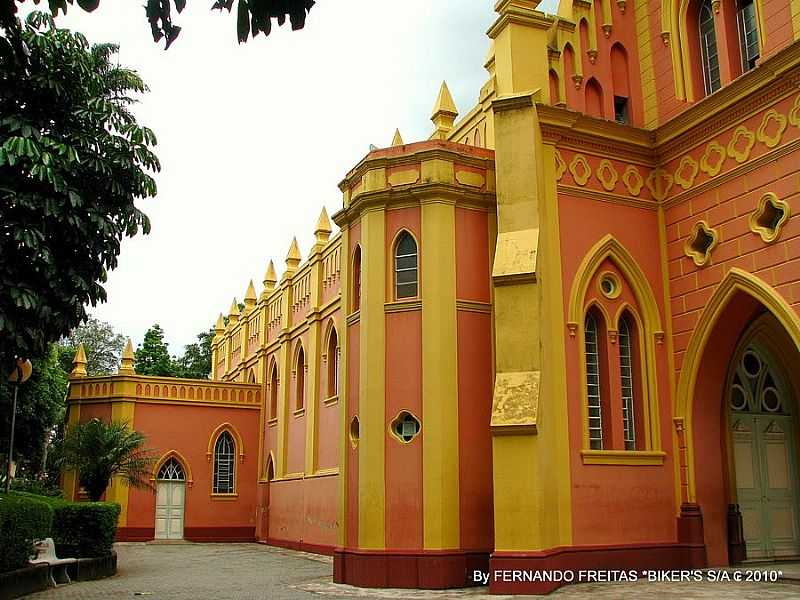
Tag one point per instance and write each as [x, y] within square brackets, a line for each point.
[444, 113]
[126, 365]
[323, 230]
[293, 257]
[219, 328]
[233, 314]
[250, 297]
[79, 363]
[269, 279]
[397, 140]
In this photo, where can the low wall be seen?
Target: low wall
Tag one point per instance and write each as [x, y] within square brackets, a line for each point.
[35, 578]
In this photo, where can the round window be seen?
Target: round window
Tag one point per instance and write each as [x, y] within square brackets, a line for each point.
[609, 285]
[406, 427]
[751, 364]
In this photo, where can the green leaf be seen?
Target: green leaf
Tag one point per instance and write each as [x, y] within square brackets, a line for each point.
[243, 21]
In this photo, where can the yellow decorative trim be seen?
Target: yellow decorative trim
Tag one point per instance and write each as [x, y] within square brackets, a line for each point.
[236, 438]
[579, 162]
[607, 175]
[692, 247]
[633, 180]
[181, 459]
[561, 166]
[735, 281]
[659, 182]
[769, 233]
[404, 177]
[396, 419]
[794, 114]
[686, 172]
[741, 155]
[770, 141]
[331, 401]
[515, 406]
[224, 497]
[623, 457]
[710, 165]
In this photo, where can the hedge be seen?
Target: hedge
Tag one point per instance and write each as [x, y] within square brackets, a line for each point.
[80, 529]
[22, 520]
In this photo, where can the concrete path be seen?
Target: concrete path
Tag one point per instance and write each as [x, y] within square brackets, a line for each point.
[257, 572]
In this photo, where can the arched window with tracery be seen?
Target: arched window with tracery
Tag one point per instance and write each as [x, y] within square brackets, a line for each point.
[596, 378]
[171, 470]
[300, 377]
[405, 267]
[273, 392]
[224, 464]
[333, 363]
[709, 53]
[630, 382]
[357, 278]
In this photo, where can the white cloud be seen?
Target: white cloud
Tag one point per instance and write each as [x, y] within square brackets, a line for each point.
[254, 138]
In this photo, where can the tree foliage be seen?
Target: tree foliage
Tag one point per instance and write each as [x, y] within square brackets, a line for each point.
[102, 344]
[40, 409]
[152, 356]
[98, 451]
[252, 16]
[72, 161]
[196, 360]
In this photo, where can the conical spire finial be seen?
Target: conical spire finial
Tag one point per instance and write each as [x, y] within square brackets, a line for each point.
[397, 140]
[293, 257]
[126, 364]
[219, 328]
[250, 297]
[233, 314]
[323, 230]
[269, 278]
[444, 113]
[79, 362]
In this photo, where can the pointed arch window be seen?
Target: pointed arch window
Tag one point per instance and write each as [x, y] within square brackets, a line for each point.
[171, 470]
[405, 267]
[357, 279]
[596, 377]
[333, 363]
[273, 392]
[708, 48]
[224, 464]
[630, 382]
[300, 375]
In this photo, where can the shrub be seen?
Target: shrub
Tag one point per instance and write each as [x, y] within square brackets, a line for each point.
[84, 529]
[23, 519]
[37, 487]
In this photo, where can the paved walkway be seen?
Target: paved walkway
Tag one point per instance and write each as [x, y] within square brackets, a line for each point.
[257, 572]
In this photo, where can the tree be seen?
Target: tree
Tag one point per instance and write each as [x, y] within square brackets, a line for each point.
[72, 161]
[252, 16]
[196, 360]
[40, 409]
[103, 346]
[152, 356]
[98, 451]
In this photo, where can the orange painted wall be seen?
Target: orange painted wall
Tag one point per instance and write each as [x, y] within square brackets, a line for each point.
[615, 504]
[473, 277]
[403, 466]
[187, 429]
[304, 510]
[296, 423]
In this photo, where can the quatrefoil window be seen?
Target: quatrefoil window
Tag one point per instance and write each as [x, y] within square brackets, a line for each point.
[769, 217]
[700, 243]
[405, 427]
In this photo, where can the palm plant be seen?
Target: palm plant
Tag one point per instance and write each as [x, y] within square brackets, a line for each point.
[99, 451]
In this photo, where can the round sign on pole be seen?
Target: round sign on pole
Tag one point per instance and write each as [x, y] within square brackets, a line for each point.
[24, 367]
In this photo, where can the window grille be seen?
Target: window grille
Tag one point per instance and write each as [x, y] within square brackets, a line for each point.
[593, 384]
[224, 464]
[626, 375]
[171, 470]
[405, 267]
[708, 48]
[748, 34]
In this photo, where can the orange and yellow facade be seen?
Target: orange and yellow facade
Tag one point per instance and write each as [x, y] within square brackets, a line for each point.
[526, 345]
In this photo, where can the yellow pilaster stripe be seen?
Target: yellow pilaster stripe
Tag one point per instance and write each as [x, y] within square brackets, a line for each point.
[118, 490]
[344, 386]
[371, 478]
[285, 374]
[440, 487]
[795, 7]
[314, 363]
[648, 74]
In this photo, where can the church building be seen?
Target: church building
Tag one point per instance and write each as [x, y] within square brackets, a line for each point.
[562, 332]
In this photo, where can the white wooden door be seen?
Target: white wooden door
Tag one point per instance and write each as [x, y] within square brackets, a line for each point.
[169, 510]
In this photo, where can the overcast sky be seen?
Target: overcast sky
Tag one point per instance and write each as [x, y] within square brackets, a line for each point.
[254, 138]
